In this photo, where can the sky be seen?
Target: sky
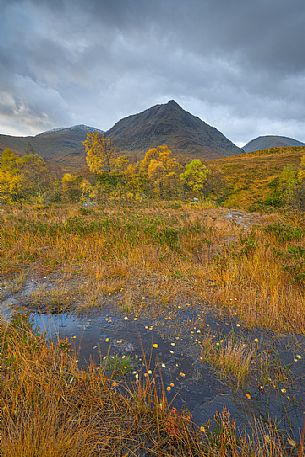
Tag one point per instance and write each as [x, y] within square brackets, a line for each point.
[237, 64]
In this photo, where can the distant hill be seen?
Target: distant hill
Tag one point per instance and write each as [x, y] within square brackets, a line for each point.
[170, 124]
[63, 146]
[270, 141]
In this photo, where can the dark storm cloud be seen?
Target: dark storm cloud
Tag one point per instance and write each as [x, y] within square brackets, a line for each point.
[238, 64]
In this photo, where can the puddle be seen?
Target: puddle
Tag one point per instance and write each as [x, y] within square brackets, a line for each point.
[168, 346]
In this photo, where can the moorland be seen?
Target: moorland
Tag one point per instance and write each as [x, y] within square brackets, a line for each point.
[179, 291]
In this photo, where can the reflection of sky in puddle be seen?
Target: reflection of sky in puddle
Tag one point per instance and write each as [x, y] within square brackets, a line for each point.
[64, 325]
[86, 334]
[193, 384]
[109, 332]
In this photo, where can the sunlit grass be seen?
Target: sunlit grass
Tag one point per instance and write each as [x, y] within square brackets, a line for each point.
[231, 358]
[49, 407]
[148, 254]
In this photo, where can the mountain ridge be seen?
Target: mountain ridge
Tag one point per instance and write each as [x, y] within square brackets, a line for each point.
[168, 123]
[57, 145]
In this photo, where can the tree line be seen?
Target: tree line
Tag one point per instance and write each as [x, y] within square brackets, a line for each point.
[158, 175]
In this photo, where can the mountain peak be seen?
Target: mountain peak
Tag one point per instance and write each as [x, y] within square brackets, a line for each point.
[77, 128]
[170, 124]
[85, 128]
[173, 103]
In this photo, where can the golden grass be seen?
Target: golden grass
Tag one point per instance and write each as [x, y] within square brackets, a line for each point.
[231, 358]
[49, 407]
[250, 174]
[152, 255]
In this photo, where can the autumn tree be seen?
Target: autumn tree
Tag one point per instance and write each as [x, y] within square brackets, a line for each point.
[36, 178]
[161, 169]
[71, 187]
[99, 153]
[136, 181]
[22, 177]
[87, 190]
[10, 176]
[195, 176]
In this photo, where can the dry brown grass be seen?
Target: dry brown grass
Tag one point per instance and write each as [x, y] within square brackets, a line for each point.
[231, 358]
[162, 254]
[49, 407]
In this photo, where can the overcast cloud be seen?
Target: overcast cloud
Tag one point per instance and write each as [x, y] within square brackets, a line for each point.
[237, 64]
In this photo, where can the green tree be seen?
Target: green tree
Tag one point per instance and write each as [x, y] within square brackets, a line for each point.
[195, 176]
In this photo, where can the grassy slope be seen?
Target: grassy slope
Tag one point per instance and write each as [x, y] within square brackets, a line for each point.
[250, 174]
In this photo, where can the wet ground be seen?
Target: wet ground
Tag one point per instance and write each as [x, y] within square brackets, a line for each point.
[168, 347]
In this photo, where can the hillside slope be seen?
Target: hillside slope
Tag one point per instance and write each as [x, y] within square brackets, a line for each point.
[249, 175]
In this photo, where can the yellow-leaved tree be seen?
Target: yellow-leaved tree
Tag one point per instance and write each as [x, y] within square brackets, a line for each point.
[99, 153]
[22, 177]
[10, 175]
[161, 169]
